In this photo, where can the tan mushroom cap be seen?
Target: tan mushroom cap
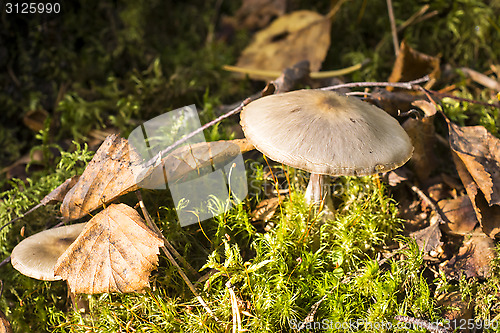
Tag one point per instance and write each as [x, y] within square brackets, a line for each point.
[325, 133]
[37, 255]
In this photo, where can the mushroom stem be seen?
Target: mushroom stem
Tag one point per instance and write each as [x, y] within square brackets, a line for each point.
[314, 191]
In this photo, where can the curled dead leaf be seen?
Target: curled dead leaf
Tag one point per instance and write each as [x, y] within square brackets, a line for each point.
[392, 101]
[428, 108]
[476, 154]
[265, 209]
[473, 259]
[422, 134]
[4, 324]
[35, 119]
[460, 216]
[58, 194]
[429, 238]
[108, 175]
[411, 65]
[115, 252]
[479, 150]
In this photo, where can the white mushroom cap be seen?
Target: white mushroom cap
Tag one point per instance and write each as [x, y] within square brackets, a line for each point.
[37, 255]
[325, 133]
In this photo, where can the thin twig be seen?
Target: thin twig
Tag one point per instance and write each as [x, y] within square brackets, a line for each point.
[430, 203]
[170, 258]
[170, 247]
[310, 316]
[411, 85]
[393, 27]
[460, 99]
[418, 17]
[165, 151]
[234, 307]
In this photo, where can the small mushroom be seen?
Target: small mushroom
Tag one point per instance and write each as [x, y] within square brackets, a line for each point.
[326, 134]
[37, 255]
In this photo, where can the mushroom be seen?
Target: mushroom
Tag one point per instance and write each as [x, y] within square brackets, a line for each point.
[325, 134]
[37, 255]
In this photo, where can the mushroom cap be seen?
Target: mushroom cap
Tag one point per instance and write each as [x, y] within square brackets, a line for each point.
[37, 255]
[325, 133]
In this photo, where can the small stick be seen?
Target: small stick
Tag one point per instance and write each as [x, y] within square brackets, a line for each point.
[173, 262]
[275, 74]
[429, 202]
[393, 27]
[170, 247]
[411, 85]
[412, 18]
[165, 151]
[234, 307]
[310, 316]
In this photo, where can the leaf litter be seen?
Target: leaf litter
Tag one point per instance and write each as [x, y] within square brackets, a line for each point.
[111, 173]
[476, 154]
[115, 252]
[294, 37]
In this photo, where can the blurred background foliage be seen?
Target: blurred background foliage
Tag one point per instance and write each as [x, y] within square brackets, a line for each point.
[107, 63]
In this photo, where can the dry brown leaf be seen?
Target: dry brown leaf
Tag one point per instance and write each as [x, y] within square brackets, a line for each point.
[4, 324]
[439, 190]
[428, 108]
[289, 78]
[422, 134]
[476, 154]
[256, 14]
[456, 310]
[300, 35]
[398, 176]
[429, 238]
[115, 252]
[265, 209]
[58, 194]
[110, 174]
[460, 216]
[488, 216]
[392, 101]
[473, 259]
[480, 152]
[35, 119]
[411, 65]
